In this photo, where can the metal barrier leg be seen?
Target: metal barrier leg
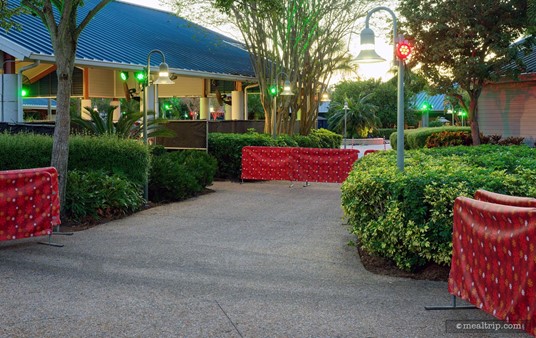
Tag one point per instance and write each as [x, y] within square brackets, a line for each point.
[451, 307]
[57, 232]
[50, 243]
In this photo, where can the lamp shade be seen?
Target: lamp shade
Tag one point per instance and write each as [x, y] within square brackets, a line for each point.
[287, 90]
[368, 45]
[163, 75]
[325, 97]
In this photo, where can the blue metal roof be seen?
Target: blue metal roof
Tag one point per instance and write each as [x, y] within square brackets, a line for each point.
[437, 101]
[123, 34]
[38, 103]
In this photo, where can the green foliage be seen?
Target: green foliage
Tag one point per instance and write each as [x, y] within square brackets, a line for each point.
[95, 195]
[416, 138]
[462, 44]
[127, 158]
[227, 147]
[383, 133]
[383, 95]
[179, 175]
[448, 139]
[408, 217]
[360, 116]
[129, 124]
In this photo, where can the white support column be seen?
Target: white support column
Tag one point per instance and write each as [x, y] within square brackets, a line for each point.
[9, 98]
[238, 105]
[83, 104]
[117, 110]
[228, 112]
[203, 108]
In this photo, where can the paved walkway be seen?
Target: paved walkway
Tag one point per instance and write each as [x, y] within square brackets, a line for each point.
[249, 260]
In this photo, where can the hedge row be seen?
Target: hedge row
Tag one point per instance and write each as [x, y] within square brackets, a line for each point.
[111, 155]
[227, 148]
[407, 217]
[179, 175]
[416, 138]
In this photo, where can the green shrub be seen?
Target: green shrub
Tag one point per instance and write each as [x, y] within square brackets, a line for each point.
[227, 147]
[328, 139]
[181, 174]
[383, 133]
[127, 158]
[416, 138]
[307, 141]
[96, 194]
[407, 217]
[449, 139]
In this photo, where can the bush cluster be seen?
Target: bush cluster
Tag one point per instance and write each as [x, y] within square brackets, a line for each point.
[178, 175]
[416, 138]
[227, 147]
[408, 217]
[498, 139]
[448, 139]
[112, 155]
[105, 173]
[95, 194]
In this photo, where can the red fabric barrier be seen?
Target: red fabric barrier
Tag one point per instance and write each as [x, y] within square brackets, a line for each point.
[297, 164]
[516, 201]
[494, 258]
[29, 203]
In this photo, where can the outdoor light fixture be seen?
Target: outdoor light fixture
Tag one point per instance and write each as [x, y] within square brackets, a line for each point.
[287, 91]
[163, 78]
[369, 55]
[325, 97]
[123, 75]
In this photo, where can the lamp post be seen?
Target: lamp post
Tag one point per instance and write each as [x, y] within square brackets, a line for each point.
[369, 55]
[344, 131]
[287, 91]
[163, 78]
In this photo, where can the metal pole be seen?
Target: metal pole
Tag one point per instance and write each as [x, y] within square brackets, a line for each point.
[344, 132]
[400, 118]
[274, 122]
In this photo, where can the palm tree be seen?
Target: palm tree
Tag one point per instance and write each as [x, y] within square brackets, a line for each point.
[129, 125]
[360, 117]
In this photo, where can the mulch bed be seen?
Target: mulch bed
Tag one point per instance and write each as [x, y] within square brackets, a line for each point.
[382, 266]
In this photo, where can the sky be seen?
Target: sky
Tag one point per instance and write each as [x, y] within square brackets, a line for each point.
[366, 71]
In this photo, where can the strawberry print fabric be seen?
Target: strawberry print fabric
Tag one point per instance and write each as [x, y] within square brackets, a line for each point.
[29, 203]
[493, 260]
[492, 197]
[297, 164]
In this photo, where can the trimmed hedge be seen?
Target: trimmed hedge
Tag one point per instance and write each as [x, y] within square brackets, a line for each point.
[178, 175]
[227, 147]
[112, 155]
[416, 138]
[383, 132]
[95, 194]
[407, 217]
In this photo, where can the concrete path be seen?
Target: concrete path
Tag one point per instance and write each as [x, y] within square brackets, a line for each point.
[249, 260]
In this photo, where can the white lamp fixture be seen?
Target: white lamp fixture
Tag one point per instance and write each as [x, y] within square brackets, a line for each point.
[369, 55]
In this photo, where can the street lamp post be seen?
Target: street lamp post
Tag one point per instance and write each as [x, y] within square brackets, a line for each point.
[369, 55]
[163, 78]
[344, 131]
[287, 91]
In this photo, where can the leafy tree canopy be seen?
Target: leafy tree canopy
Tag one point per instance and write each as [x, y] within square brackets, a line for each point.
[466, 43]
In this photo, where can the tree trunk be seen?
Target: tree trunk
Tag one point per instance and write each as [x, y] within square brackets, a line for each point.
[473, 117]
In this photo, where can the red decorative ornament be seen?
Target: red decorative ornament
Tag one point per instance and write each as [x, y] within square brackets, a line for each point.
[403, 49]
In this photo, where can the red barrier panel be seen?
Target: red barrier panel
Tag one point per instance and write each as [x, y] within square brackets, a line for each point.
[29, 203]
[516, 201]
[494, 260]
[297, 164]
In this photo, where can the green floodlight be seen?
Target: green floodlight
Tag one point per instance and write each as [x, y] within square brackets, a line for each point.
[141, 76]
[24, 92]
[426, 106]
[124, 75]
[272, 90]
